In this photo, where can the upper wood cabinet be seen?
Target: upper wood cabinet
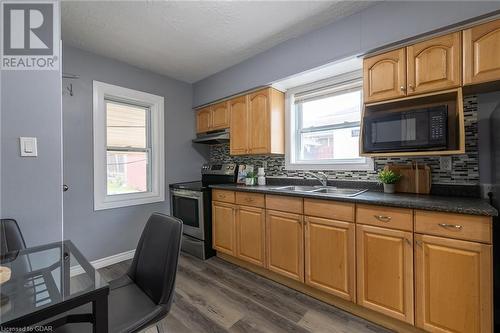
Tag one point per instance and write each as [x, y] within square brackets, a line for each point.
[220, 116]
[212, 118]
[453, 280]
[203, 120]
[434, 64]
[329, 256]
[385, 271]
[482, 53]
[384, 76]
[258, 123]
[250, 234]
[285, 244]
[223, 227]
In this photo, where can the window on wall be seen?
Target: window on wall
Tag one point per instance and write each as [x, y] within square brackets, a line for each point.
[324, 122]
[128, 147]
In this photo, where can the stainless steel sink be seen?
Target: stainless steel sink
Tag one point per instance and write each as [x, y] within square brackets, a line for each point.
[344, 192]
[297, 188]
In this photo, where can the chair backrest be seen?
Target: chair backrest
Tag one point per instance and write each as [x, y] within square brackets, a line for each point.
[11, 238]
[154, 266]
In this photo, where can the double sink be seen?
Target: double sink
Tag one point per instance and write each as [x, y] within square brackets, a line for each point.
[331, 190]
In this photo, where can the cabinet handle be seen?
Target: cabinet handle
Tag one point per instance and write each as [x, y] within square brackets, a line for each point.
[383, 218]
[408, 241]
[450, 226]
[419, 243]
[402, 88]
[411, 86]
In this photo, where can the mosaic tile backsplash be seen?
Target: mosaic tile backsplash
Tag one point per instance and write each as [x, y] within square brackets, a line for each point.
[465, 168]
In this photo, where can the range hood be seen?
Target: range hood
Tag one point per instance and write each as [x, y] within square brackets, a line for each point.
[213, 137]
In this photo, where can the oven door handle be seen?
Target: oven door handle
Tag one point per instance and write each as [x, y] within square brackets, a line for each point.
[186, 194]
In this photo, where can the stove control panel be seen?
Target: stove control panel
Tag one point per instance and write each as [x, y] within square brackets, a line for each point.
[219, 169]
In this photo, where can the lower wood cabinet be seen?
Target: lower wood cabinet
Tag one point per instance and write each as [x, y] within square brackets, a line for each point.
[385, 271]
[330, 256]
[250, 235]
[285, 244]
[223, 227]
[453, 285]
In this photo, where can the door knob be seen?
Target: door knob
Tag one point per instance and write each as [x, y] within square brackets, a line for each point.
[65, 188]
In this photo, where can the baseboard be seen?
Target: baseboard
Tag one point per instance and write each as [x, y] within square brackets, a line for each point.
[104, 262]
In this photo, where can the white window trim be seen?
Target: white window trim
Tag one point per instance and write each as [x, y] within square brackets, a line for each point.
[290, 134]
[102, 200]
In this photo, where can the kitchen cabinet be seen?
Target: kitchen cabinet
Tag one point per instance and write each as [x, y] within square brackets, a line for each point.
[257, 123]
[223, 227]
[220, 116]
[250, 234]
[434, 64]
[329, 256]
[385, 271]
[453, 285]
[211, 118]
[285, 248]
[384, 76]
[203, 120]
[481, 49]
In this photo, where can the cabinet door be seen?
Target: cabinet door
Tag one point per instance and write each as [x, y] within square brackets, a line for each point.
[329, 256]
[434, 64]
[453, 285]
[481, 53]
[258, 122]
[220, 116]
[385, 271]
[285, 248]
[223, 227]
[251, 234]
[204, 120]
[238, 142]
[384, 76]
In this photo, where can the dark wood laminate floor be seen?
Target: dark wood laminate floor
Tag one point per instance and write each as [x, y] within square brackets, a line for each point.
[216, 296]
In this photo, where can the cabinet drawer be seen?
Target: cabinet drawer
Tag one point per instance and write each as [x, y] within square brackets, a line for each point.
[250, 199]
[343, 211]
[284, 203]
[388, 217]
[223, 195]
[460, 226]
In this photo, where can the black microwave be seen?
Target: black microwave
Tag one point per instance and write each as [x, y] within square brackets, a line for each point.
[409, 130]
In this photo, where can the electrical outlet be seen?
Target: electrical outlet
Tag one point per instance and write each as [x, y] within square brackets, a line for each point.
[445, 163]
[485, 189]
[264, 164]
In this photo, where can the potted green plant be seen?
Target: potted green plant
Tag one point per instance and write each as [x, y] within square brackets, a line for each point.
[389, 178]
[250, 178]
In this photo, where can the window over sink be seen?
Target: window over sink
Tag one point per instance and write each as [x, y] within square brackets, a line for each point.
[128, 147]
[324, 125]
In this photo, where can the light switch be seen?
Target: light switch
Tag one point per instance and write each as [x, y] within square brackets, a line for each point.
[28, 146]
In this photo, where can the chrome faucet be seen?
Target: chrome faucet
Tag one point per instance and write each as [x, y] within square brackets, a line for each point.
[321, 176]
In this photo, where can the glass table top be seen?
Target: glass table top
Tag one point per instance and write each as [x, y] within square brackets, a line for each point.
[43, 276]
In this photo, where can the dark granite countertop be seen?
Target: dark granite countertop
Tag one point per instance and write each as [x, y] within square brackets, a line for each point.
[416, 201]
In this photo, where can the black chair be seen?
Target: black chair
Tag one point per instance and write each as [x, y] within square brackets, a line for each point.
[11, 238]
[144, 295]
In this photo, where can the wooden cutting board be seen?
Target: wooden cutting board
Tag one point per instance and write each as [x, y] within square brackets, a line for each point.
[415, 178]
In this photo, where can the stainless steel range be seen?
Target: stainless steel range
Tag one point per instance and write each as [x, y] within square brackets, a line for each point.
[191, 202]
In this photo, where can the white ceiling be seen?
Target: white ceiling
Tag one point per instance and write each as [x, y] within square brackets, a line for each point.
[192, 40]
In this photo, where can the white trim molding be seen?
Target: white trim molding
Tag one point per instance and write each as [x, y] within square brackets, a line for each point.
[101, 92]
[103, 262]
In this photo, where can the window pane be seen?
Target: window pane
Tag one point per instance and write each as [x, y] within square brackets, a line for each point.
[332, 110]
[127, 172]
[330, 145]
[126, 125]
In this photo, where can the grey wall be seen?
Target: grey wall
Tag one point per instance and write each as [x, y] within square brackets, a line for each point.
[107, 232]
[31, 186]
[383, 23]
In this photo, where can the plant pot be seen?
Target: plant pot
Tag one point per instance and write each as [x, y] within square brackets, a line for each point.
[249, 181]
[389, 188]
